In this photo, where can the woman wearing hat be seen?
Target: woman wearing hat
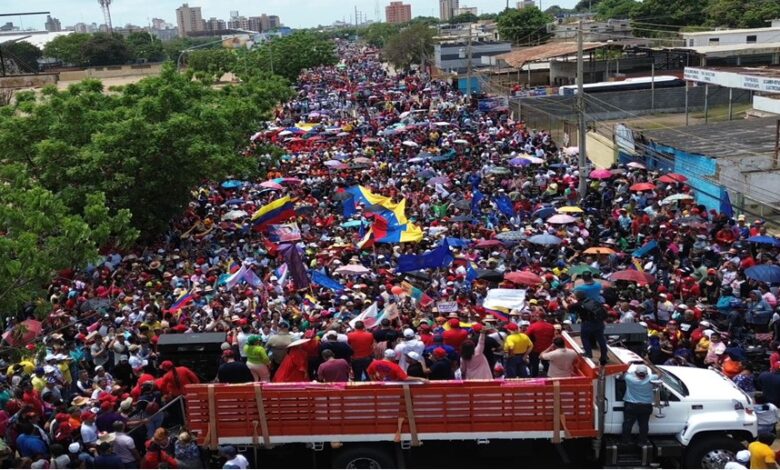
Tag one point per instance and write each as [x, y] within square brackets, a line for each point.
[257, 359]
[295, 365]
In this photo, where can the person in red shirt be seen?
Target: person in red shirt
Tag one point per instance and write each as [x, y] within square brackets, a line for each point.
[456, 335]
[175, 378]
[424, 331]
[362, 343]
[541, 333]
[387, 370]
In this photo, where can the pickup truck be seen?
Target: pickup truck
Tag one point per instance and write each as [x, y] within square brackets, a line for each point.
[700, 420]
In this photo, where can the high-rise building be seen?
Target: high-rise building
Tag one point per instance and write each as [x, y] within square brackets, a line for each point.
[189, 19]
[255, 24]
[447, 9]
[398, 12]
[53, 24]
[269, 22]
[80, 28]
[215, 24]
[465, 11]
[159, 23]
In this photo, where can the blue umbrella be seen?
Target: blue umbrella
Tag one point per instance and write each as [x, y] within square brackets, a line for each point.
[231, 184]
[352, 223]
[517, 161]
[768, 273]
[558, 165]
[545, 239]
[543, 213]
[764, 240]
[235, 202]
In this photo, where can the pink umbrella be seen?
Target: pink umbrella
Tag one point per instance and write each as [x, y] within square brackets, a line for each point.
[24, 332]
[561, 219]
[288, 181]
[271, 185]
[600, 174]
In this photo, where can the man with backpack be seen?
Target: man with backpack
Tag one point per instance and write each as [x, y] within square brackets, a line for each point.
[592, 315]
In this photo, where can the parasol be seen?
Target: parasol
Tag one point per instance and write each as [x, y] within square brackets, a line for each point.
[523, 277]
[561, 219]
[601, 174]
[353, 269]
[599, 250]
[642, 187]
[545, 239]
[632, 275]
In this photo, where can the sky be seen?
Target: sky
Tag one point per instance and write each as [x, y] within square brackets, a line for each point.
[294, 13]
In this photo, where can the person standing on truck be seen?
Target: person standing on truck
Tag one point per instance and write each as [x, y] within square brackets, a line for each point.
[332, 369]
[456, 335]
[257, 359]
[592, 315]
[761, 454]
[518, 347]
[232, 371]
[474, 364]
[386, 370]
[541, 333]
[409, 343]
[277, 344]
[362, 343]
[637, 402]
[559, 358]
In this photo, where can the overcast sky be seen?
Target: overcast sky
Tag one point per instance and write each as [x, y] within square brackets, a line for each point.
[295, 13]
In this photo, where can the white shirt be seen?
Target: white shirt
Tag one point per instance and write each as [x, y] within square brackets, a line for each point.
[238, 461]
[405, 347]
[735, 466]
[89, 433]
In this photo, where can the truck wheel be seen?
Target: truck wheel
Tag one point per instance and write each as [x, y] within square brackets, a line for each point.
[712, 452]
[363, 457]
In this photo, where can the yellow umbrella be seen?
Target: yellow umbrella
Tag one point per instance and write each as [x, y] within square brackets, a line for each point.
[569, 209]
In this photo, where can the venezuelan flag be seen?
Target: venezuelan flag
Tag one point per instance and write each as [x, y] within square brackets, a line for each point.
[276, 211]
[395, 210]
[233, 266]
[499, 314]
[183, 300]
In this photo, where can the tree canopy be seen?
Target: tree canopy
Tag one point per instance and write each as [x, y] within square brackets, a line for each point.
[24, 54]
[524, 26]
[608, 9]
[286, 56]
[411, 45]
[464, 18]
[67, 48]
[741, 13]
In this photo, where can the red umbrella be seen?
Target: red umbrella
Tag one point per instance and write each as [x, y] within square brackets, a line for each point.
[632, 275]
[523, 277]
[24, 332]
[673, 178]
[642, 187]
[488, 243]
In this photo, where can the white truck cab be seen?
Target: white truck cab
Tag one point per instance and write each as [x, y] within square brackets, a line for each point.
[701, 409]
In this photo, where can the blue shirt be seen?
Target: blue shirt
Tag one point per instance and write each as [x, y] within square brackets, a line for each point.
[639, 390]
[30, 446]
[592, 291]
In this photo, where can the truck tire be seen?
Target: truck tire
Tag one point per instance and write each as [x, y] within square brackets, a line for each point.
[373, 457]
[711, 451]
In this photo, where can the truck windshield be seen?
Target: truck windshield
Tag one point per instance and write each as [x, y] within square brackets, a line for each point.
[672, 381]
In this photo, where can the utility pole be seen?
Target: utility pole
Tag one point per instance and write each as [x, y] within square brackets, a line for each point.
[582, 163]
[468, 65]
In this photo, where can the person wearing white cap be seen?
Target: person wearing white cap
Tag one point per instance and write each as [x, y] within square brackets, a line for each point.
[637, 402]
[409, 344]
[742, 461]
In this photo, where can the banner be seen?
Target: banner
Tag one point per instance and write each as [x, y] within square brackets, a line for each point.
[285, 232]
[505, 298]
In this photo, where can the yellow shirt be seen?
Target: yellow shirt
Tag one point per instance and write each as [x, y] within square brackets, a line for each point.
[761, 455]
[38, 383]
[27, 366]
[518, 343]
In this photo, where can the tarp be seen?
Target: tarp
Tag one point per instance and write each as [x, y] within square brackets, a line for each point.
[505, 298]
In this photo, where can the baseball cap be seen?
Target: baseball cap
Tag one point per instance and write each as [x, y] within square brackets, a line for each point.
[640, 370]
[408, 333]
[389, 354]
[414, 355]
[743, 456]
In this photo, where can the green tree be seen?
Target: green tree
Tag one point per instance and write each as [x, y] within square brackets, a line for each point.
[586, 5]
[488, 16]
[213, 62]
[105, 49]
[378, 33]
[669, 12]
[25, 55]
[464, 18]
[608, 9]
[524, 26]
[67, 48]
[411, 45]
[144, 46]
[145, 146]
[41, 235]
[741, 13]
[426, 20]
[287, 56]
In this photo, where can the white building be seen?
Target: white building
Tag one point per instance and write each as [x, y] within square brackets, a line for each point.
[447, 9]
[726, 37]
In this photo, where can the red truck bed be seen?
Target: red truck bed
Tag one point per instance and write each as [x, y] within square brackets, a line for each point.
[363, 412]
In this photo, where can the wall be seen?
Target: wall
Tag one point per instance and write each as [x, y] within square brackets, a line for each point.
[28, 81]
[600, 150]
[110, 72]
[768, 104]
[726, 38]
[625, 104]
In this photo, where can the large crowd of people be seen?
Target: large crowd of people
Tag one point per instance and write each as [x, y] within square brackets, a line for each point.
[380, 171]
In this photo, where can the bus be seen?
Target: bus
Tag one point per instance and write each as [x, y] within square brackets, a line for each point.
[629, 84]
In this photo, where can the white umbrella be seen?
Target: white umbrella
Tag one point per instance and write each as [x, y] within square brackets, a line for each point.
[233, 215]
[461, 141]
[355, 269]
[285, 133]
[442, 123]
[636, 165]
[571, 150]
[409, 143]
[676, 197]
[534, 160]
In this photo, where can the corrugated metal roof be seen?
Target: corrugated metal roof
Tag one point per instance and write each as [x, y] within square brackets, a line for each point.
[520, 57]
[725, 49]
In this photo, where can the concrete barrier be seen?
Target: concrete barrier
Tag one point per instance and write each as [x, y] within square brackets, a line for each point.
[111, 71]
[28, 81]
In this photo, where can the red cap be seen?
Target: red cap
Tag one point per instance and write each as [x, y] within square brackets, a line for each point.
[227, 353]
[477, 327]
[454, 322]
[166, 365]
[424, 327]
[511, 326]
[87, 415]
[712, 271]
[439, 353]
[242, 322]
[107, 406]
